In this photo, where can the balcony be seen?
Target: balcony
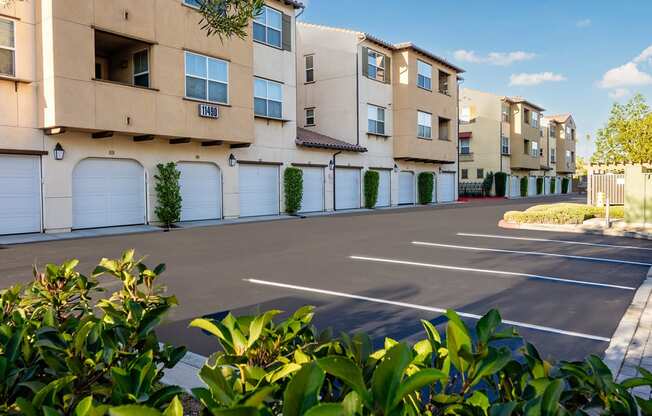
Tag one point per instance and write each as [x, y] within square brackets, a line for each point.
[122, 60]
[466, 157]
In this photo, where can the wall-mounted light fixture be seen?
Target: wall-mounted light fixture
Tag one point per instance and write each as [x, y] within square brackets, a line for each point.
[395, 168]
[59, 152]
[232, 160]
[331, 164]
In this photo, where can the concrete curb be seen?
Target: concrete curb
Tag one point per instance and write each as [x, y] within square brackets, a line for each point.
[186, 373]
[577, 229]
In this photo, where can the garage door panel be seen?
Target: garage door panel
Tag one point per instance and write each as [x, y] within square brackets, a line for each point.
[384, 189]
[406, 188]
[259, 194]
[347, 188]
[201, 191]
[20, 194]
[313, 189]
[446, 187]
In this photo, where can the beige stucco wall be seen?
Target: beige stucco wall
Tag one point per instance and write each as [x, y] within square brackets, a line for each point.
[520, 131]
[564, 143]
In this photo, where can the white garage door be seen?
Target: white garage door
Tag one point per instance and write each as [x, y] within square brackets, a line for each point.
[313, 189]
[532, 186]
[20, 194]
[258, 190]
[108, 192]
[406, 188]
[446, 187]
[201, 191]
[546, 185]
[384, 188]
[347, 188]
[515, 187]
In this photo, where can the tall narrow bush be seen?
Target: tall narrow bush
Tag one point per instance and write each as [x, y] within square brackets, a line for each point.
[168, 193]
[426, 184]
[553, 185]
[564, 185]
[371, 183]
[500, 178]
[524, 183]
[487, 184]
[293, 181]
[539, 186]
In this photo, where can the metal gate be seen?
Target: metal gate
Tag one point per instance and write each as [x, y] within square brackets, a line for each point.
[613, 186]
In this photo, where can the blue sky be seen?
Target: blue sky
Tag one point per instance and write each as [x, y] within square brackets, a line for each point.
[576, 56]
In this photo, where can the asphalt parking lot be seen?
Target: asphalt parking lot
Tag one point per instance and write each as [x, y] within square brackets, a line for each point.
[382, 272]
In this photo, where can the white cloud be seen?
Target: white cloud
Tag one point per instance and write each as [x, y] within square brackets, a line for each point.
[619, 93]
[646, 55]
[627, 75]
[493, 58]
[583, 23]
[525, 79]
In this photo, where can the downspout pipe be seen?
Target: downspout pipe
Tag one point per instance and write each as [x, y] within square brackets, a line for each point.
[334, 169]
[459, 81]
[357, 89]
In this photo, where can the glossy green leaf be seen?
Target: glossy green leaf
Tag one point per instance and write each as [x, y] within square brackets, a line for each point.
[219, 387]
[133, 410]
[457, 340]
[257, 325]
[388, 375]
[175, 408]
[550, 399]
[417, 381]
[326, 409]
[84, 407]
[215, 328]
[302, 391]
[487, 325]
[345, 369]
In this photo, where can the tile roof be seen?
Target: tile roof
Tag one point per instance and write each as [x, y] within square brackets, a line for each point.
[410, 45]
[294, 3]
[309, 138]
[559, 118]
[519, 100]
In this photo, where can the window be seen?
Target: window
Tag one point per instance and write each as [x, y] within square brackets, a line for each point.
[465, 174]
[310, 116]
[424, 125]
[310, 68]
[504, 145]
[552, 131]
[424, 75]
[568, 132]
[376, 119]
[465, 146]
[526, 116]
[534, 119]
[465, 115]
[535, 149]
[207, 78]
[568, 157]
[267, 27]
[480, 174]
[268, 98]
[552, 155]
[526, 147]
[192, 3]
[443, 82]
[7, 48]
[505, 113]
[572, 156]
[141, 68]
[444, 128]
[376, 65]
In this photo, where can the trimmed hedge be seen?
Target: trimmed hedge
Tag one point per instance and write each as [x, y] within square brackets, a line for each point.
[564, 185]
[553, 185]
[539, 186]
[426, 184]
[562, 213]
[371, 184]
[168, 193]
[293, 181]
[487, 184]
[500, 178]
[524, 183]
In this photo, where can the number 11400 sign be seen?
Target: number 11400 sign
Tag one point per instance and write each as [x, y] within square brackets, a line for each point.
[208, 111]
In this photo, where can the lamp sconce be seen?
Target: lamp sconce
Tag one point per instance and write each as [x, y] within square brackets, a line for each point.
[59, 152]
[395, 168]
[232, 160]
[331, 165]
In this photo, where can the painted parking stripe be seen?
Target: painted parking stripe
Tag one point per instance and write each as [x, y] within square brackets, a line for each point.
[425, 308]
[546, 240]
[498, 272]
[532, 253]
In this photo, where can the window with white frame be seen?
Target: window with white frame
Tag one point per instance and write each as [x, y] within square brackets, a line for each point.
[424, 125]
[552, 130]
[465, 146]
[268, 98]
[7, 48]
[553, 157]
[268, 27]
[424, 75]
[568, 157]
[310, 68]
[504, 145]
[535, 119]
[505, 112]
[310, 116]
[141, 68]
[376, 119]
[376, 65]
[207, 78]
[535, 149]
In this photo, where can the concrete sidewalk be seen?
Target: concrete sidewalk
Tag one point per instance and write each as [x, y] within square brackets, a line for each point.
[595, 226]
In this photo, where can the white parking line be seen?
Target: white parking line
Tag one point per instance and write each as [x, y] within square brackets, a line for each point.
[533, 253]
[425, 308]
[546, 240]
[498, 272]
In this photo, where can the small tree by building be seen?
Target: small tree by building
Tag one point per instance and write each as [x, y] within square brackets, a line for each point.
[426, 184]
[487, 184]
[293, 182]
[524, 183]
[500, 178]
[371, 184]
[539, 186]
[168, 194]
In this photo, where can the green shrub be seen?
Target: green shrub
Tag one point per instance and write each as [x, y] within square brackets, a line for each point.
[267, 368]
[553, 185]
[487, 184]
[500, 178]
[293, 182]
[60, 350]
[562, 213]
[524, 184]
[426, 184]
[564, 185]
[168, 193]
[371, 183]
[539, 186]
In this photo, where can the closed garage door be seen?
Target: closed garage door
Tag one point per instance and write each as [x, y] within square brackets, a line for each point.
[384, 188]
[347, 188]
[201, 191]
[258, 190]
[546, 185]
[20, 194]
[532, 186]
[108, 192]
[406, 188]
[313, 189]
[446, 187]
[515, 187]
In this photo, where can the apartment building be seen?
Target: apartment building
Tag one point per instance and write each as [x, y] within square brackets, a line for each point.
[508, 134]
[388, 107]
[96, 93]
[561, 131]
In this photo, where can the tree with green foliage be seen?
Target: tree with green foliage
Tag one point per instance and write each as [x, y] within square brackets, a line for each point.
[580, 166]
[564, 185]
[627, 135]
[293, 181]
[228, 18]
[426, 184]
[524, 184]
[371, 184]
[487, 183]
[539, 186]
[168, 193]
[500, 178]
[553, 185]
